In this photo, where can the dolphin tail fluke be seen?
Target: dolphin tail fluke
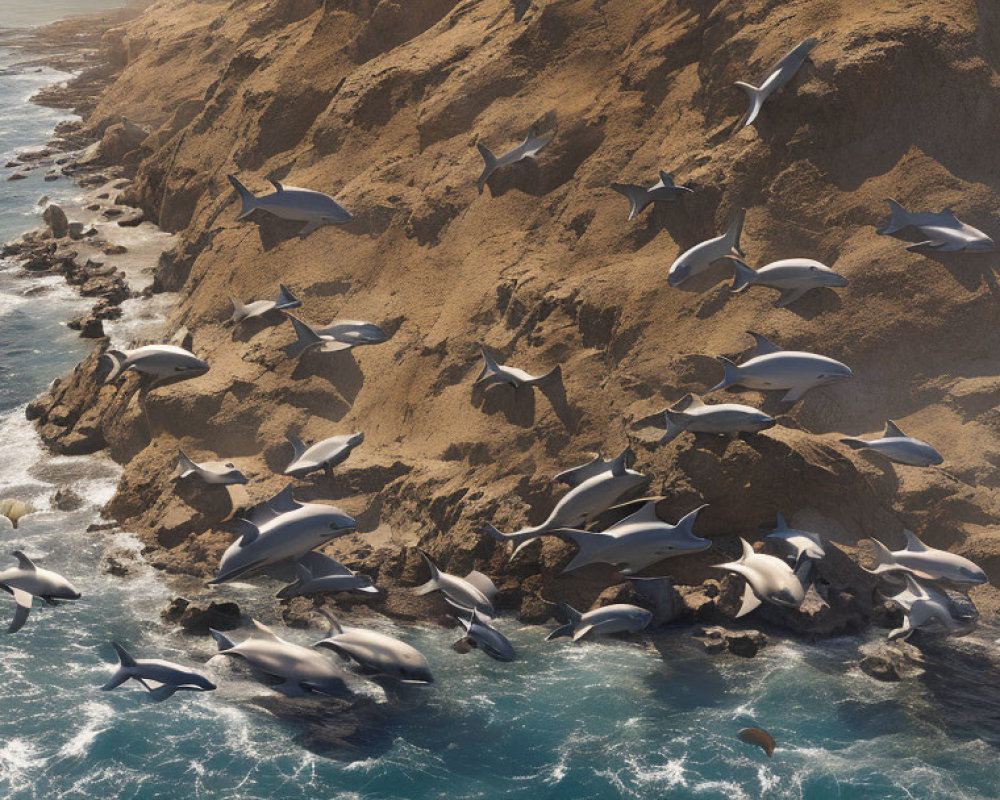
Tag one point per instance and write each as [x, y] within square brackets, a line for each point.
[750, 602]
[885, 561]
[589, 545]
[756, 102]
[239, 307]
[223, 641]
[637, 197]
[735, 231]
[115, 359]
[898, 219]
[567, 630]
[677, 422]
[286, 299]
[853, 443]
[298, 446]
[249, 202]
[122, 674]
[185, 466]
[307, 338]
[743, 275]
[731, 376]
[433, 584]
[554, 375]
[488, 167]
[490, 366]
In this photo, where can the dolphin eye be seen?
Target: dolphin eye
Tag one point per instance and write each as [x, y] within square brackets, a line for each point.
[230, 465]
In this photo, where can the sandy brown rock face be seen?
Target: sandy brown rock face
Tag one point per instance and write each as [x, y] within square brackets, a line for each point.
[381, 104]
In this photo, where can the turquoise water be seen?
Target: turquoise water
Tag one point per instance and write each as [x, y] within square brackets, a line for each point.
[615, 720]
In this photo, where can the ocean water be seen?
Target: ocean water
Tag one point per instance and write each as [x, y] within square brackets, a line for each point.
[633, 720]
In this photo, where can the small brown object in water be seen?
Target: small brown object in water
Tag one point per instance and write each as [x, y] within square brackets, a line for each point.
[759, 737]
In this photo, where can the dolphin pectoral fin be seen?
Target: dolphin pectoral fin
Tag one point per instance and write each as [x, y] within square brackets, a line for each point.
[794, 394]
[523, 545]
[328, 469]
[582, 631]
[309, 227]
[560, 632]
[161, 693]
[750, 602]
[788, 297]
[23, 600]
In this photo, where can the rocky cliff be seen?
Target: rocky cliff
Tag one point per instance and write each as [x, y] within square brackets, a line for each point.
[381, 103]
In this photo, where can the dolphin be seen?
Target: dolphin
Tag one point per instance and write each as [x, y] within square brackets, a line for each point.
[480, 633]
[900, 219]
[638, 541]
[529, 148]
[792, 276]
[759, 737]
[639, 197]
[315, 209]
[926, 562]
[473, 592]
[926, 606]
[897, 446]
[779, 75]
[318, 574]
[493, 374]
[259, 308]
[770, 367]
[222, 473]
[615, 618]
[14, 510]
[594, 488]
[698, 258]
[165, 676]
[377, 654]
[342, 334]
[163, 362]
[26, 581]
[767, 579]
[802, 544]
[280, 529]
[324, 455]
[691, 413]
[288, 668]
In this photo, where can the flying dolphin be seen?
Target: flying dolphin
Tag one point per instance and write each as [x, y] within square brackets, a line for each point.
[480, 633]
[324, 455]
[767, 579]
[222, 473]
[165, 363]
[280, 529]
[26, 581]
[494, 373]
[925, 606]
[286, 667]
[792, 276]
[615, 618]
[780, 74]
[473, 592]
[529, 148]
[341, 334]
[160, 678]
[897, 446]
[926, 562]
[945, 232]
[639, 197]
[315, 209]
[259, 308]
[801, 544]
[376, 653]
[697, 259]
[317, 574]
[594, 488]
[691, 413]
[770, 367]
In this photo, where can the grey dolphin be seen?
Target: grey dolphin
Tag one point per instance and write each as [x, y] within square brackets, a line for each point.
[473, 592]
[160, 678]
[162, 362]
[222, 473]
[377, 653]
[945, 232]
[339, 335]
[638, 541]
[26, 581]
[280, 529]
[480, 633]
[14, 510]
[767, 579]
[324, 454]
[900, 219]
[532, 145]
[925, 606]
[614, 618]
[792, 276]
[802, 544]
[315, 209]
[594, 488]
[770, 367]
[494, 373]
[639, 197]
[691, 413]
[779, 75]
[927, 562]
[258, 308]
[287, 667]
[318, 574]
[697, 259]
[897, 446]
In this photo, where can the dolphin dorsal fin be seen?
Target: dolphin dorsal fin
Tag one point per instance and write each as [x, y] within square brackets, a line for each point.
[913, 544]
[763, 345]
[892, 430]
[261, 631]
[283, 501]
[247, 530]
[694, 402]
[23, 561]
[646, 513]
[748, 550]
[620, 464]
[278, 187]
[685, 525]
[666, 179]
[576, 475]
[781, 525]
